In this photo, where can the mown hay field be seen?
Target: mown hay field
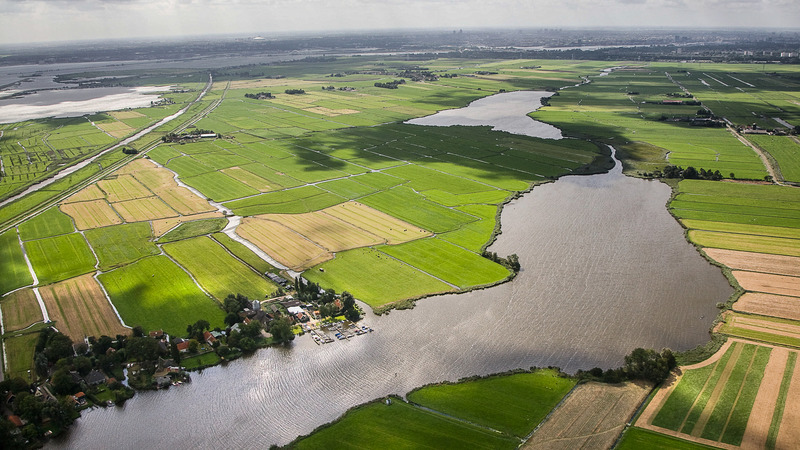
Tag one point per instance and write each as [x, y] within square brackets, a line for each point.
[161, 226]
[156, 294]
[19, 351]
[287, 247]
[20, 310]
[144, 209]
[79, 308]
[768, 283]
[392, 230]
[769, 305]
[766, 329]
[592, 416]
[91, 214]
[756, 262]
[122, 187]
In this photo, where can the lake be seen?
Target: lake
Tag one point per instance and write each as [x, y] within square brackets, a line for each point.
[605, 269]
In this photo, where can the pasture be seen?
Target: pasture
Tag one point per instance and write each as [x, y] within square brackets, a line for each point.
[194, 228]
[60, 257]
[19, 351]
[785, 150]
[20, 310]
[513, 404]
[121, 244]
[47, 224]
[219, 273]
[243, 253]
[161, 226]
[79, 308]
[14, 271]
[156, 294]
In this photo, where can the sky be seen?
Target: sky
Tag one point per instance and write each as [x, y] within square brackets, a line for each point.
[24, 21]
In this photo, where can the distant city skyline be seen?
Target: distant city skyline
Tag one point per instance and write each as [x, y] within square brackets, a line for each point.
[24, 21]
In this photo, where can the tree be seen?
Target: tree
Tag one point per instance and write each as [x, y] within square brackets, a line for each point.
[41, 364]
[231, 319]
[137, 331]
[281, 330]
[690, 173]
[62, 382]
[647, 364]
[142, 348]
[193, 345]
[58, 346]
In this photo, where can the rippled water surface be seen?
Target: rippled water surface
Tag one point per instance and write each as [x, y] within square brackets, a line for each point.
[605, 269]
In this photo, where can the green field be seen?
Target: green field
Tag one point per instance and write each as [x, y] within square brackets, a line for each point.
[50, 223]
[513, 404]
[14, 271]
[373, 277]
[219, 187]
[786, 152]
[202, 360]
[19, 350]
[216, 270]
[400, 425]
[770, 329]
[637, 438]
[156, 294]
[120, 244]
[61, 257]
[245, 254]
[448, 262]
[194, 228]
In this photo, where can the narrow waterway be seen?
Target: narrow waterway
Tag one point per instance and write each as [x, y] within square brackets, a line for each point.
[605, 269]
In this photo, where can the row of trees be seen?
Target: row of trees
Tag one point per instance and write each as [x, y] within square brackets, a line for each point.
[511, 262]
[260, 96]
[390, 84]
[690, 173]
[640, 364]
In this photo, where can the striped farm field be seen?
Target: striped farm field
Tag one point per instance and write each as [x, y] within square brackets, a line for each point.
[161, 226]
[283, 244]
[245, 254]
[718, 400]
[216, 270]
[59, 258]
[249, 178]
[394, 231]
[746, 242]
[765, 329]
[739, 228]
[144, 209]
[80, 308]
[768, 283]
[330, 233]
[220, 187]
[184, 201]
[156, 294]
[91, 214]
[756, 262]
[122, 187]
[769, 305]
[14, 271]
[20, 310]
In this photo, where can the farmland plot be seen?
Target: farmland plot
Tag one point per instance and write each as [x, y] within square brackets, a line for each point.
[91, 214]
[14, 271]
[287, 247]
[61, 257]
[20, 310]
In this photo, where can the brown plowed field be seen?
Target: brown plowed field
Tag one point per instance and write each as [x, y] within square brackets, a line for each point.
[91, 192]
[80, 308]
[20, 310]
[161, 226]
[756, 262]
[91, 214]
[769, 305]
[592, 416]
[144, 209]
[395, 231]
[286, 246]
[789, 431]
[123, 187]
[755, 435]
[769, 283]
[329, 232]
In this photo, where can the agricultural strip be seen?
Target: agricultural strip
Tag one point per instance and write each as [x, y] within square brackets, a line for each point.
[400, 425]
[123, 187]
[47, 224]
[244, 253]
[405, 204]
[216, 270]
[746, 242]
[767, 329]
[14, 271]
[219, 187]
[79, 308]
[20, 310]
[739, 228]
[283, 244]
[592, 416]
[61, 257]
[328, 232]
[757, 431]
[195, 228]
[394, 231]
[91, 192]
[638, 439]
[156, 294]
[121, 244]
[769, 305]
[250, 179]
[19, 350]
[374, 278]
[788, 434]
[513, 404]
[161, 226]
[768, 283]
[144, 209]
[448, 262]
[756, 262]
[91, 214]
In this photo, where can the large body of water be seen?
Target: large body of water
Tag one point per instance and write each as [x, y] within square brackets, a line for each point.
[605, 269]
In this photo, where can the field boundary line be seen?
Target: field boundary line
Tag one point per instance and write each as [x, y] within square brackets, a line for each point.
[190, 275]
[757, 429]
[739, 392]
[108, 298]
[45, 315]
[27, 260]
[237, 258]
[700, 393]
